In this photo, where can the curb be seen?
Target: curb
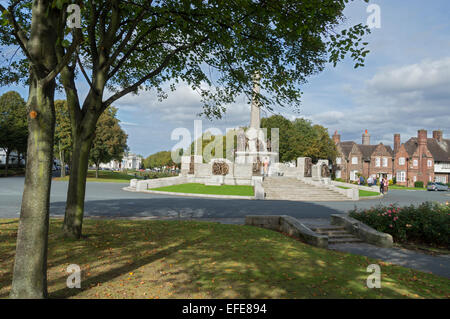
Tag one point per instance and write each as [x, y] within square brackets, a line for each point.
[128, 189]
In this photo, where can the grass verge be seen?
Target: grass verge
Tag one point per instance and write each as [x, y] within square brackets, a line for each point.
[196, 188]
[363, 193]
[103, 176]
[406, 188]
[188, 259]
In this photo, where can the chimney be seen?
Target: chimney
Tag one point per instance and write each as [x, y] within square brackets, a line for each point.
[437, 135]
[336, 138]
[366, 138]
[396, 143]
[422, 137]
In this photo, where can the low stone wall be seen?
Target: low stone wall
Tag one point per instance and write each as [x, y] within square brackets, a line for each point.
[351, 193]
[259, 189]
[159, 182]
[362, 231]
[361, 187]
[288, 225]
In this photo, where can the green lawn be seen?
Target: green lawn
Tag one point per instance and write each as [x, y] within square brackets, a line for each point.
[196, 188]
[362, 193]
[188, 259]
[103, 176]
[410, 188]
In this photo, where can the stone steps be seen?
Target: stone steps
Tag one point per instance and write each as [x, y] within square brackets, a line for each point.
[286, 188]
[336, 234]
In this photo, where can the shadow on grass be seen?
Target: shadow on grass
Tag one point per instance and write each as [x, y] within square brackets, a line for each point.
[171, 259]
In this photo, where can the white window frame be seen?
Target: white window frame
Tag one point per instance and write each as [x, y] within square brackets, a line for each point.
[354, 160]
[440, 179]
[385, 162]
[353, 176]
[401, 161]
[430, 163]
[377, 162]
[415, 163]
[401, 176]
[338, 160]
[338, 173]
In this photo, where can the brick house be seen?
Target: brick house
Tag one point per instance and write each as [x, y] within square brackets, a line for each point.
[365, 159]
[422, 159]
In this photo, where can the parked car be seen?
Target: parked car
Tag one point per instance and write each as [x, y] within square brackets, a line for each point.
[437, 187]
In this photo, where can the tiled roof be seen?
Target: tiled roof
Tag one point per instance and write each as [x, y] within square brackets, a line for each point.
[346, 147]
[439, 150]
[367, 151]
[411, 145]
[389, 149]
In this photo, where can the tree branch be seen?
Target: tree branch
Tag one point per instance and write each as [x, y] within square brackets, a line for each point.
[19, 34]
[65, 59]
[155, 72]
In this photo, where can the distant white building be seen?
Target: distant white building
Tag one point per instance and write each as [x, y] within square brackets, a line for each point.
[129, 161]
[13, 158]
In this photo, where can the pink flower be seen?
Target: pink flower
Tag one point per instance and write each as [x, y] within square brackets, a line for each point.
[391, 225]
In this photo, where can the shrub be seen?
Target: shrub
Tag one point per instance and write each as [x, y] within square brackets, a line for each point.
[418, 184]
[339, 180]
[428, 223]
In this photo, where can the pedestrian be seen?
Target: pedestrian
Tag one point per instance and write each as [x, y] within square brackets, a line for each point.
[381, 186]
[386, 185]
[266, 166]
[370, 181]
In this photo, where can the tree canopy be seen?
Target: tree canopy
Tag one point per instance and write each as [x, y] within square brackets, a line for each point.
[13, 124]
[300, 138]
[110, 140]
[159, 159]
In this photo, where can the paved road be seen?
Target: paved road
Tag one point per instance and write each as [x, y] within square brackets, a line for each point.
[109, 200]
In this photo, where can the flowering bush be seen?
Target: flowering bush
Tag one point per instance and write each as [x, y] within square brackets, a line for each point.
[428, 223]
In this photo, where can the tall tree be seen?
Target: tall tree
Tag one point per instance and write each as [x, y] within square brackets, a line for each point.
[300, 138]
[63, 134]
[33, 27]
[13, 125]
[214, 46]
[159, 159]
[285, 131]
[110, 141]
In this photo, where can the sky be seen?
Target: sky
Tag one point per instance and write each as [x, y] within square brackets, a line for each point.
[404, 86]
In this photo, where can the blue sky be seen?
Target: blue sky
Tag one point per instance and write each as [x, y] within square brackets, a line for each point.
[403, 87]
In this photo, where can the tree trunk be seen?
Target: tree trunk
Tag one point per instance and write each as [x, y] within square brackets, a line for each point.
[7, 162]
[96, 170]
[62, 164]
[30, 267]
[73, 219]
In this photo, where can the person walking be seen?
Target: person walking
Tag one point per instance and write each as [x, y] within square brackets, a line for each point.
[382, 186]
[266, 167]
[386, 185]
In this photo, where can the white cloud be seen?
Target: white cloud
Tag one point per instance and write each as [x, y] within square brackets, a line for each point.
[427, 75]
[396, 100]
